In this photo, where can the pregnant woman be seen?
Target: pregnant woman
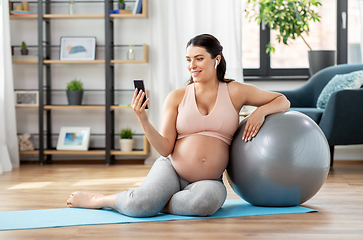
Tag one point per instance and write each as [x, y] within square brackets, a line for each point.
[198, 123]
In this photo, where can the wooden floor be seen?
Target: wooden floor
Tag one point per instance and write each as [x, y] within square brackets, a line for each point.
[340, 205]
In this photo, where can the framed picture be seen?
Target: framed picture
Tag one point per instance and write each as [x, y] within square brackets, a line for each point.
[77, 48]
[74, 138]
[26, 98]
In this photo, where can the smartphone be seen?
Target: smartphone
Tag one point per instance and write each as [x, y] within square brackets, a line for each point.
[139, 84]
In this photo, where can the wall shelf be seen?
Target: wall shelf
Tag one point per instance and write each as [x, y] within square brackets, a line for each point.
[114, 152]
[144, 14]
[128, 61]
[145, 57]
[25, 62]
[72, 62]
[73, 16]
[144, 152]
[74, 107]
[29, 152]
[48, 96]
[78, 16]
[67, 152]
[115, 16]
[30, 16]
[119, 107]
[22, 107]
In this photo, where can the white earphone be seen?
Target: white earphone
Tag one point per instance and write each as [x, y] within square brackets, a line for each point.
[215, 66]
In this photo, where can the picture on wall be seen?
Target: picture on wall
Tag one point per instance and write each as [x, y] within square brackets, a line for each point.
[77, 48]
[26, 98]
[74, 138]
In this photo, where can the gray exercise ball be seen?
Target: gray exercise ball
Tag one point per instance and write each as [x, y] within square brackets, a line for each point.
[285, 164]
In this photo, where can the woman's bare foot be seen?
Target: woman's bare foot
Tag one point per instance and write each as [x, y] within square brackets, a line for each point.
[86, 200]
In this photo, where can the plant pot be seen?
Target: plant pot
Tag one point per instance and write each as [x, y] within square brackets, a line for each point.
[321, 59]
[126, 145]
[24, 51]
[121, 6]
[74, 97]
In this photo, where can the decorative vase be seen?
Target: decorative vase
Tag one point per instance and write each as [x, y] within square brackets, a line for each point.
[74, 97]
[130, 54]
[72, 7]
[24, 51]
[321, 59]
[121, 6]
[126, 145]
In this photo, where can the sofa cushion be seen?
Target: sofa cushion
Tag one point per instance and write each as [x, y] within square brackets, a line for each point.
[339, 82]
[314, 113]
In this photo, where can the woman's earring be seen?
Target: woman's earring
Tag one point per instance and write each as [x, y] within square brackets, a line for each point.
[215, 66]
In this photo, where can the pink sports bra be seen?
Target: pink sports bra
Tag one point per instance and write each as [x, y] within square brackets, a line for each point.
[221, 122]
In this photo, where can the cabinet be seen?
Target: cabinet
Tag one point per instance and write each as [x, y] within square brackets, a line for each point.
[108, 59]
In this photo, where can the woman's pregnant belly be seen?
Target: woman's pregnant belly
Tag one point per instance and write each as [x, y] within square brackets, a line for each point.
[199, 157]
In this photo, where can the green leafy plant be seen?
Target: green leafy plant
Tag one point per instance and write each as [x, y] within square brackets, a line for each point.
[289, 17]
[75, 85]
[24, 46]
[126, 133]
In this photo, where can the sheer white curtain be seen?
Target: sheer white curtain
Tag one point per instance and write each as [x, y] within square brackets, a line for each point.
[9, 155]
[172, 24]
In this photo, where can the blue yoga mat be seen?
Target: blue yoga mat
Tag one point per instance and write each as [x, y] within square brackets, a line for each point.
[65, 217]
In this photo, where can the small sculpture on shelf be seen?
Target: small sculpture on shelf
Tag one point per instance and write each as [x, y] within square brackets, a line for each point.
[25, 144]
[24, 49]
[75, 92]
[25, 6]
[126, 141]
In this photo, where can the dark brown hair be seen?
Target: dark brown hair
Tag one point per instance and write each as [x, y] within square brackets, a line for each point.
[214, 48]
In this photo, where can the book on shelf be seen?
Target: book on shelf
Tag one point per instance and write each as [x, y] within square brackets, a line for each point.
[16, 12]
[120, 11]
[137, 7]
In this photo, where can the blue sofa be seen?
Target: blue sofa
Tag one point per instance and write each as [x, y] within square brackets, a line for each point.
[342, 119]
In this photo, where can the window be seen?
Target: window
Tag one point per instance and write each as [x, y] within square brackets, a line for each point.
[291, 62]
[250, 42]
[354, 31]
[322, 36]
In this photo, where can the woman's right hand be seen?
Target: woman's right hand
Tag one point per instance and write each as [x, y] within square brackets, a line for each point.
[138, 106]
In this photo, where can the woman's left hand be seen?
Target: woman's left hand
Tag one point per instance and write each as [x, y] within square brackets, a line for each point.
[253, 125]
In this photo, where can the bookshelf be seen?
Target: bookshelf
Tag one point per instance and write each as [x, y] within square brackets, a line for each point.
[47, 62]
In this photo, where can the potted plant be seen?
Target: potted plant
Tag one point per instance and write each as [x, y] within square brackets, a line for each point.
[126, 141]
[24, 49]
[74, 92]
[121, 4]
[291, 20]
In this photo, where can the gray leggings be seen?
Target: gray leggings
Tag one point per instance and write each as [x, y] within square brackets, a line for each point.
[201, 198]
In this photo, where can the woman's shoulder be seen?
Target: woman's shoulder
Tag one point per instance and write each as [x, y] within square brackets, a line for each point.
[176, 96]
[235, 87]
[239, 93]
[178, 93]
